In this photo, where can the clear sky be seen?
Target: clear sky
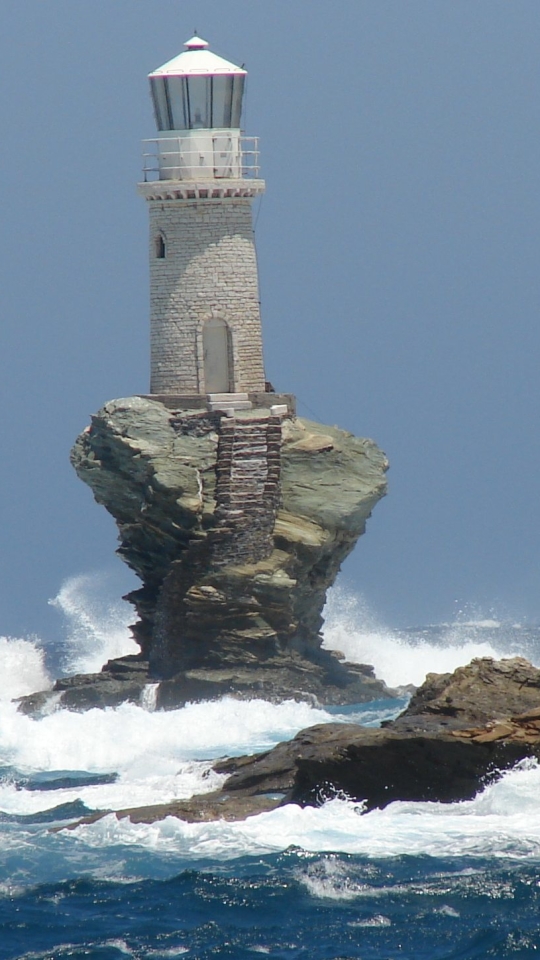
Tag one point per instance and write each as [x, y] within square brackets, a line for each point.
[399, 251]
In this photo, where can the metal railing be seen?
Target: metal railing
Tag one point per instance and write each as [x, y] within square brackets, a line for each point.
[206, 156]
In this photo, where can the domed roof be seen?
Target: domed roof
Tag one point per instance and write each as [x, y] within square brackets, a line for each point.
[196, 59]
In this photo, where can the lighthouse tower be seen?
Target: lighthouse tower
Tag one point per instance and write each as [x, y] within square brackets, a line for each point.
[200, 178]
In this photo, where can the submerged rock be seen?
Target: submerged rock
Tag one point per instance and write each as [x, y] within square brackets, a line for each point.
[236, 527]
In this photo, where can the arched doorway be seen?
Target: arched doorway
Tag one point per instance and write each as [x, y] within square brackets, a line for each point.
[216, 352]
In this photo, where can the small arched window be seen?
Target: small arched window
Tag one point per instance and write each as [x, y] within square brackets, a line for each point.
[160, 248]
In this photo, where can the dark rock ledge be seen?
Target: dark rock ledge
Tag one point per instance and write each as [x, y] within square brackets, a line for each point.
[458, 733]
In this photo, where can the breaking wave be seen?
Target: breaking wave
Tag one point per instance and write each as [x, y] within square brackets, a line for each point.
[403, 657]
[97, 629]
[23, 668]
[501, 822]
[133, 755]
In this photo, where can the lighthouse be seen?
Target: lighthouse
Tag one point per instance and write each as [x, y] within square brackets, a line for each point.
[201, 176]
[234, 513]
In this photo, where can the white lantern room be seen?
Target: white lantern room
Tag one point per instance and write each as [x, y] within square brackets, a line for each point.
[197, 98]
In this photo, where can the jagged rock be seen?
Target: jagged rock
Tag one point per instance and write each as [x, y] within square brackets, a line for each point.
[396, 762]
[483, 691]
[429, 752]
[121, 680]
[426, 753]
[237, 528]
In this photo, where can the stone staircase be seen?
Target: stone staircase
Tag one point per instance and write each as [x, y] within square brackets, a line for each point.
[248, 489]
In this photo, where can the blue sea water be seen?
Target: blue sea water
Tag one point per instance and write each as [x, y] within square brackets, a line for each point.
[416, 880]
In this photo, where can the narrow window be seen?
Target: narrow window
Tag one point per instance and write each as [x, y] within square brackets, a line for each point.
[160, 247]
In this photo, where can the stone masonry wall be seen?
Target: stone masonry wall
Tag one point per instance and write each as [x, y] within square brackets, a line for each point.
[209, 271]
[248, 489]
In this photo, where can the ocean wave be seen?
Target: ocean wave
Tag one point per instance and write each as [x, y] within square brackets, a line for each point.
[129, 739]
[97, 628]
[502, 822]
[23, 668]
[403, 657]
[160, 756]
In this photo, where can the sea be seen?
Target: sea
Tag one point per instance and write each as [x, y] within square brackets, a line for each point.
[416, 880]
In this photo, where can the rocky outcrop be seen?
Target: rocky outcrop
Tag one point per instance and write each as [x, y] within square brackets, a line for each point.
[430, 751]
[474, 695]
[405, 760]
[236, 527]
[121, 680]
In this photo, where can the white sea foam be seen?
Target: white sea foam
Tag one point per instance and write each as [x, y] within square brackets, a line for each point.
[162, 756]
[133, 741]
[97, 629]
[22, 668]
[330, 879]
[502, 822]
[405, 657]
[167, 953]
[149, 697]
[190, 779]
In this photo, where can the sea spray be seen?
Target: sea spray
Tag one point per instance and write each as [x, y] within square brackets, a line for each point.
[189, 778]
[22, 668]
[405, 656]
[158, 757]
[326, 881]
[98, 630]
[97, 627]
[134, 742]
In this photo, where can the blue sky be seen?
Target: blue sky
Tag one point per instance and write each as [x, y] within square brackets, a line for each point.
[398, 247]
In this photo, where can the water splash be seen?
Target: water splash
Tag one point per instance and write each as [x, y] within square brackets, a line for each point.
[22, 667]
[136, 743]
[97, 628]
[160, 756]
[405, 656]
[502, 822]
[149, 697]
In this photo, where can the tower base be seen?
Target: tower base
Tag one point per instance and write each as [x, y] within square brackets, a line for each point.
[258, 401]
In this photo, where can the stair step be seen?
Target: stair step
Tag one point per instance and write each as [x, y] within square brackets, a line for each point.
[226, 397]
[217, 405]
[250, 449]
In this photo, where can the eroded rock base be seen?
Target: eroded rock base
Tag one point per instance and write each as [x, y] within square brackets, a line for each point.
[129, 679]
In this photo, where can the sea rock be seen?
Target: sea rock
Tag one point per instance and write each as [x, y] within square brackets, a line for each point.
[458, 732]
[236, 528]
[400, 761]
[480, 693]
[119, 681]
[430, 751]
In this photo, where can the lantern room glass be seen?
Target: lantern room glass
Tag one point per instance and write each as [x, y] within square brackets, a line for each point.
[197, 102]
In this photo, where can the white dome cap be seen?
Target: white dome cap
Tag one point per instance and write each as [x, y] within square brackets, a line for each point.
[196, 59]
